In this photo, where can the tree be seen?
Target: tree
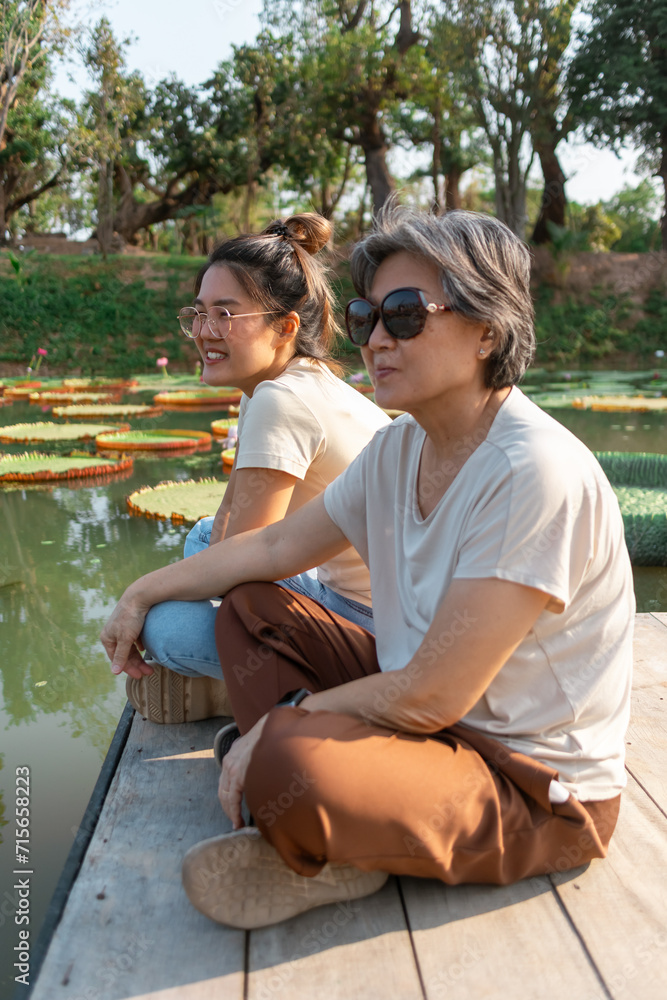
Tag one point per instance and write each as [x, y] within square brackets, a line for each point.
[618, 80]
[30, 32]
[116, 99]
[361, 58]
[440, 116]
[509, 56]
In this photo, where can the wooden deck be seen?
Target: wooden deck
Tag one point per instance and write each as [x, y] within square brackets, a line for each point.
[127, 929]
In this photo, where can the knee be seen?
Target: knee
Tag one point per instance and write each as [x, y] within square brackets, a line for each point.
[155, 631]
[199, 537]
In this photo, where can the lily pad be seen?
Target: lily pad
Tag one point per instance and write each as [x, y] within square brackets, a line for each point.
[228, 458]
[621, 404]
[48, 431]
[72, 397]
[184, 503]
[42, 468]
[106, 410]
[202, 397]
[639, 480]
[222, 427]
[154, 440]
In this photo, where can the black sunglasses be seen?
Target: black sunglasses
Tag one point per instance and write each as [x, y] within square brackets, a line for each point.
[403, 312]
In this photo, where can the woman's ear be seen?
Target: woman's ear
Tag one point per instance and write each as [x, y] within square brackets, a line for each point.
[486, 343]
[289, 326]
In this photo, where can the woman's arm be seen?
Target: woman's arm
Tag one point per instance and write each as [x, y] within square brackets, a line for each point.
[305, 539]
[253, 499]
[478, 626]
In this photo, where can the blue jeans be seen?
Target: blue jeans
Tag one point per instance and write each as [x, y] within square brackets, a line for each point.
[180, 634]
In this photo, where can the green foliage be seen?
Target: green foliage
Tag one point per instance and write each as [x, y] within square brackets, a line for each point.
[95, 318]
[635, 211]
[573, 331]
[618, 77]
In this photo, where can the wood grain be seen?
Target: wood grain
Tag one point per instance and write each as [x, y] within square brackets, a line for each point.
[128, 928]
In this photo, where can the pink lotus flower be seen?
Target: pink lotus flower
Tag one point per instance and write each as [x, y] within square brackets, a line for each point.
[162, 363]
[37, 356]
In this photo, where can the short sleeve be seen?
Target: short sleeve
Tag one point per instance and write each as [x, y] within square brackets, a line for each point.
[278, 431]
[345, 502]
[535, 527]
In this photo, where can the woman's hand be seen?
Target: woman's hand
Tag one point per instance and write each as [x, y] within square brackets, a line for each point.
[120, 634]
[234, 769]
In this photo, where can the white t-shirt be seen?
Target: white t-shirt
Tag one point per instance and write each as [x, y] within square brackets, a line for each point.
[530, 505]
[311, 424]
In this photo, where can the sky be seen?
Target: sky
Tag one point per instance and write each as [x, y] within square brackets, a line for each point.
[190, 39]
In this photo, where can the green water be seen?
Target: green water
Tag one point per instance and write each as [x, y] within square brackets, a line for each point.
[66, 554]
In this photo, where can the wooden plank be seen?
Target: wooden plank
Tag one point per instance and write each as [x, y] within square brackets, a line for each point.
[619, 905]
[482, 941]
[357, 949]
[646, 740]
[81, 841]
[128, 929]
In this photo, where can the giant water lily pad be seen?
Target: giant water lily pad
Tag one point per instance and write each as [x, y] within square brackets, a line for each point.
[72, 397]
[49, 431]
[107, 384]
[169, 440]
[201, 397]
[184, 503]
[42, 468]
[221, 428]
[106, 411]
[228, 458]
[639, 480]
[621, 404]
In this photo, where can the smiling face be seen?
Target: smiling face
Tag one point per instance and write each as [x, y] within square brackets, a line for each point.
[252, 351]
[436, 366]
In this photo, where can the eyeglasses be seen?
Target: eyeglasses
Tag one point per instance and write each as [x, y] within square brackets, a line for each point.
[403, 312]
[218, 318]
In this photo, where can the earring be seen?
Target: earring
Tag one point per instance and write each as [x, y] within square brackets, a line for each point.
[482, 351]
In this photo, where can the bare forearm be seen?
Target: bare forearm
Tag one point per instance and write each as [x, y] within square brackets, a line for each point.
[219, 526]
[301, 541]
[391, 699]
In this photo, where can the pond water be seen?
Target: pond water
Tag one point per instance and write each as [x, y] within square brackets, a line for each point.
[65, 557]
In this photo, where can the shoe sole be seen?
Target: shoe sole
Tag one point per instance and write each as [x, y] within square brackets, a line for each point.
[224, 738]
[239, 880]
[167, 698]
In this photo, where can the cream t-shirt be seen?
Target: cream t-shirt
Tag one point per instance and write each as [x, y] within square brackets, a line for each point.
[311, 424]
[530, 505]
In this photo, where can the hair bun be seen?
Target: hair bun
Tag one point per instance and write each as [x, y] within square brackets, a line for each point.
[310, 231]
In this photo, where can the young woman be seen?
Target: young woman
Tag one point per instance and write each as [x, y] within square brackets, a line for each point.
[481, 738]
[262, 321]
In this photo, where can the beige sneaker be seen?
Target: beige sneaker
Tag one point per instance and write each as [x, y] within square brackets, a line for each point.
[238, 879]
[167, 697]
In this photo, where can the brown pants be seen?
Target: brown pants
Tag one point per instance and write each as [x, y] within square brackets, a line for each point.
[457, 806]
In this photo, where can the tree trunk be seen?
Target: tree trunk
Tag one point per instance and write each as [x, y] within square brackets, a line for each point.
[453, 189]
[378, 177]
[105, 206]
[554, 201]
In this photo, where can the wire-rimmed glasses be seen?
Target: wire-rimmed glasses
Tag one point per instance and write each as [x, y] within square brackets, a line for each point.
[218, 318]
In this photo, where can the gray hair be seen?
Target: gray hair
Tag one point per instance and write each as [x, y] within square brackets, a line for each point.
[484, 269]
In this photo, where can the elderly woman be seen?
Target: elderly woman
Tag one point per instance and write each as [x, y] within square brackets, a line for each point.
[480, 737]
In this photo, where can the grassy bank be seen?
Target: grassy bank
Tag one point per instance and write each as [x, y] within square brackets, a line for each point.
[118, 317]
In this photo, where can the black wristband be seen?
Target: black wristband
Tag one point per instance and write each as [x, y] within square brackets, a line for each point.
[293, 698]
